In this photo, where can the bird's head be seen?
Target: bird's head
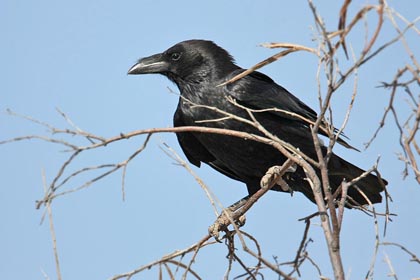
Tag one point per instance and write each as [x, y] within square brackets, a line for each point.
[192, 61]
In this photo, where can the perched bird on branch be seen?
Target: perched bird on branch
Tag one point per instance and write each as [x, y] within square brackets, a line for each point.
[201, 70]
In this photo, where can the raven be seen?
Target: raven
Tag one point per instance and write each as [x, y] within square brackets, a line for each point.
[201, 69]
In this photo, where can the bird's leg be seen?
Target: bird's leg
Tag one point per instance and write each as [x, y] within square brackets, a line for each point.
[228, 215]
[235, 213]
[238, 204]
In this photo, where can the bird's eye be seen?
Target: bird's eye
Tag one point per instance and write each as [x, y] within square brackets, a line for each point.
[175, 56]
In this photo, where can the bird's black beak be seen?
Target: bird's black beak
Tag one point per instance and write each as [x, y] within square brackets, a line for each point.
[149, 65]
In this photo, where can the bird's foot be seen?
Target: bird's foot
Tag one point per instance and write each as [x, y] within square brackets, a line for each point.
[273, 176]
[223, 221]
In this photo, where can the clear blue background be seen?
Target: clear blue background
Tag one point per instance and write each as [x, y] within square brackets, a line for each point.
[74, 55]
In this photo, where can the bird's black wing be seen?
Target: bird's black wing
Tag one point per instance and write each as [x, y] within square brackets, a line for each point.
[192, 148]
[260, 92]
[195, 151]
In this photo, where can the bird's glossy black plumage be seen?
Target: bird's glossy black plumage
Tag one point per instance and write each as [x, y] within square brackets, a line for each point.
[198, 68]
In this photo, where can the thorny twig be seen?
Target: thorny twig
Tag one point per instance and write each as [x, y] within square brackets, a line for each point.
[413, 256]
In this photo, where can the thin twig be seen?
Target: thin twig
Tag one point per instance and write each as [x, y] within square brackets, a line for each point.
[413, 256]
[52, 230]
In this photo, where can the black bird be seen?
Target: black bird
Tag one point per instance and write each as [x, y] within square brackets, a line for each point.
[200, 68]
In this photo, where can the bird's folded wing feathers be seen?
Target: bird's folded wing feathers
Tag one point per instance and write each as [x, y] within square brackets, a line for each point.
[259, 92]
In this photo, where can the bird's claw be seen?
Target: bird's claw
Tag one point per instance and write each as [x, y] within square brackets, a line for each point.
[272, 176]
[222, 222]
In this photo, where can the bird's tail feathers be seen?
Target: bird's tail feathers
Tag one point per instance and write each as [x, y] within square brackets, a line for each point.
[365, 190]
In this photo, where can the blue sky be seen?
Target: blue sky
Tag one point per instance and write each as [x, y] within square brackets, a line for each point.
[74, 56]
